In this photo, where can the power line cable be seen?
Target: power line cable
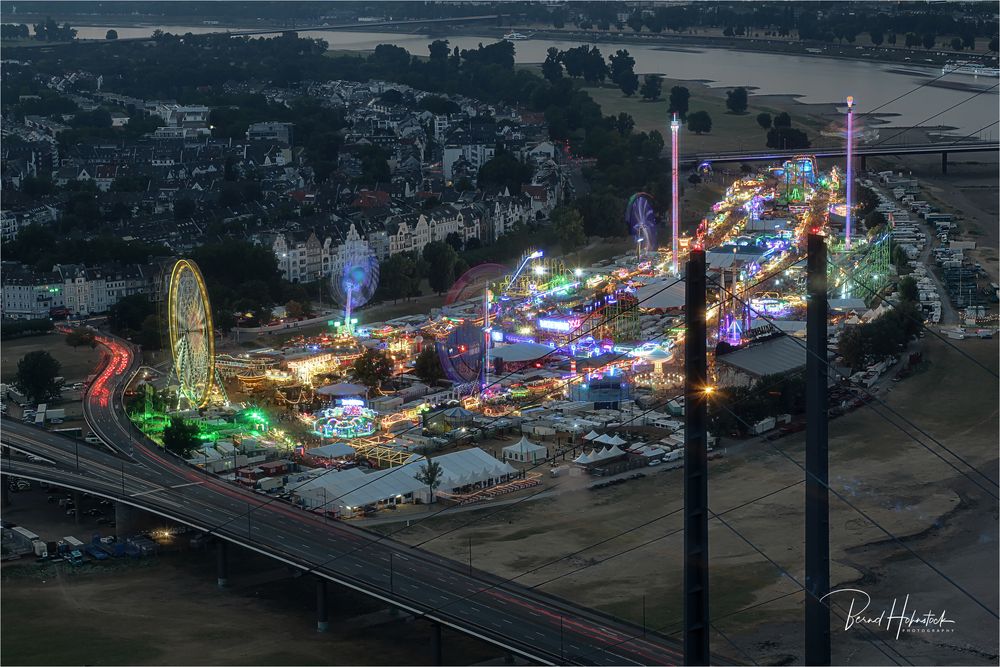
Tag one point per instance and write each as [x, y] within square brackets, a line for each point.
[864, 514]
[888, 408]
[911, 316]
[495, 419]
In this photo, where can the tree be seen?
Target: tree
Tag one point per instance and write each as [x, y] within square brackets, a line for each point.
[183, 208]
[151, 333]
[699, 122]
[552, 68]
[624, 123]
[623, 73]
[908, 290]
[912, 39]
[428, 366]
[79, 336]
[783, 120]
[439, 49]
[372, 368]
[111, 34]
[505, 171]
[454, 239]
[430, 474]
[36, 376]
[652, 87]
[891, 39]
[928, 40]
[441, 257]
[567, 224]
[294, 310]
[180, 437]
[764, 120]
[956, 43]
[787, 138]
[126, 316]
[679, 98]
[875, 36]
[736, 100]
[728, 31]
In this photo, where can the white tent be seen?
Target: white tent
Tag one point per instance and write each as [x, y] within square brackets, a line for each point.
[605, 439]
[617, 441]
[525, 451]
[591, 435]
[582, 459]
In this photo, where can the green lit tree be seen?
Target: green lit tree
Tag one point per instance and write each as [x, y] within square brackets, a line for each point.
[180, 437]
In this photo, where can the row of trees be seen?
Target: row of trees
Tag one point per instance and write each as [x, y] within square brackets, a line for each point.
[784, 19]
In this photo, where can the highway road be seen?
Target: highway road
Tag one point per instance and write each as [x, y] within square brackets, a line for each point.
[540, 627]
[840, 151]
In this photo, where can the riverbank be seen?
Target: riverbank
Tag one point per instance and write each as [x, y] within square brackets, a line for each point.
[775, 45]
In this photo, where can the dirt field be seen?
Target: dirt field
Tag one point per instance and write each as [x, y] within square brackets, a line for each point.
[943, 516]
[168, 611]
[77, 362]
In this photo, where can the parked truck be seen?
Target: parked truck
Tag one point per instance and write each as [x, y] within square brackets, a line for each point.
[764, 425]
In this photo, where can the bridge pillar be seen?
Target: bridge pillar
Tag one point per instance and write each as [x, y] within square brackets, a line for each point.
[864, 162]
[944, 162]
[124, 520]
[508, 658]
[222, 564]
[76, 504]
[436, 657]
[322, 619]
[5, 492]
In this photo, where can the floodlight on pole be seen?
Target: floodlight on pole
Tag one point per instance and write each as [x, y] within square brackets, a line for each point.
[675, 126]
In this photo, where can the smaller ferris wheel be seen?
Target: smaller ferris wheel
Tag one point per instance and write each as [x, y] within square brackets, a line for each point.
[192, 339]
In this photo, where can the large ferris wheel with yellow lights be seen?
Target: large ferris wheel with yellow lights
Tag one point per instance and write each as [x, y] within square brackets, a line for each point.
[192, 339]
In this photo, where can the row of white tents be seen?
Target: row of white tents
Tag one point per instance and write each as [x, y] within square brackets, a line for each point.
[604, 439]
[595, 456]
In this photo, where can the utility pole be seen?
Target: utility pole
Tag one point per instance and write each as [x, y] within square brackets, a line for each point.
[817, 536]
[696, 392]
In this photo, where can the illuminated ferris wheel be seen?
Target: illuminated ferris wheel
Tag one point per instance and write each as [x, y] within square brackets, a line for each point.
[192, 341]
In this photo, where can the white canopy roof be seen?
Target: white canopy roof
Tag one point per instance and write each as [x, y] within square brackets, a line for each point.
[591, 435]
[525, 446]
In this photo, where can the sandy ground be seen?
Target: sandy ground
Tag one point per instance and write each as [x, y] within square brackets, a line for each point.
[874, 466]
[168, 611]
[77, 362]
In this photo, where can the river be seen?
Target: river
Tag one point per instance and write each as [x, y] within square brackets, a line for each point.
[809, 79]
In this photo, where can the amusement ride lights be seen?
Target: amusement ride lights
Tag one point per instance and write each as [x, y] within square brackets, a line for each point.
[850, 169]
[675, 125]
[487, 328]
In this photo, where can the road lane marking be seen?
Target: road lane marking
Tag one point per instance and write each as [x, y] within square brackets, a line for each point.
[144, 493]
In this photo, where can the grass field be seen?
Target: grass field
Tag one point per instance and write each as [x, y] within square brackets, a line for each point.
[730, 132]
[77, 362]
